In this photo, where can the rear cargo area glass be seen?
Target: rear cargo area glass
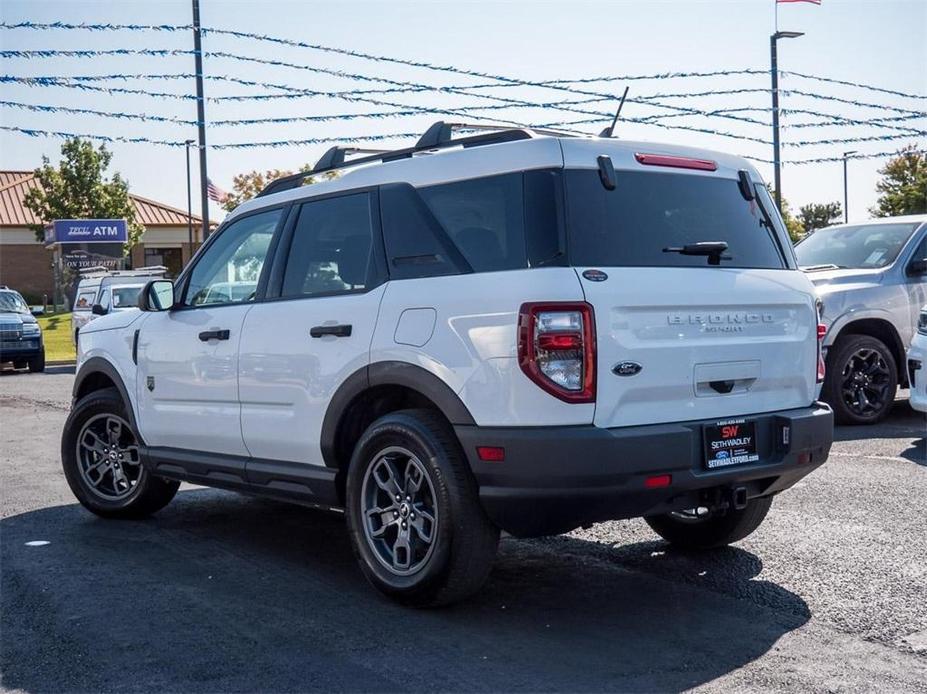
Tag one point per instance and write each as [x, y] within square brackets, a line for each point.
[649, 211]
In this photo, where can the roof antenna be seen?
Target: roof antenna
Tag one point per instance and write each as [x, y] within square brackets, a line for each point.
[610, 130]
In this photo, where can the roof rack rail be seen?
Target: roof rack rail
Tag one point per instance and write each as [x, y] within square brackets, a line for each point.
[438, 136]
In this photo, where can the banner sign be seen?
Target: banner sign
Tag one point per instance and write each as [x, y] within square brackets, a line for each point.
[90, 231]
[81, 257]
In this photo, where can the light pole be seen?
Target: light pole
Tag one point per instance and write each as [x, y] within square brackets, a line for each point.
[846, 206]
[187, 144]
[774, 71]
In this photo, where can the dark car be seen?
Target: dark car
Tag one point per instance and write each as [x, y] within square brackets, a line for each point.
[20, 334]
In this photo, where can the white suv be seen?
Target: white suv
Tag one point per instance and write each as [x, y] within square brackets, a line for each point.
[503, 331]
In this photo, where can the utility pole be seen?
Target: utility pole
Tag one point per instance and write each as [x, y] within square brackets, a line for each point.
[846, 204]
[189, 201]
[200, 115]
[774, 72]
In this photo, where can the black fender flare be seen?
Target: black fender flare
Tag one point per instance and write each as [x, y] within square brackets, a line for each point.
[99, 365]
[395, 373]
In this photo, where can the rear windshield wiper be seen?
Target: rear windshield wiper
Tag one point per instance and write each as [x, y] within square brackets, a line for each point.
[714, 250]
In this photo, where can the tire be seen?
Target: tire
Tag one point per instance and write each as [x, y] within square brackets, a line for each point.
[37, 364]
[713, 531]
[394, 452]
[126, 489]
[860, 364]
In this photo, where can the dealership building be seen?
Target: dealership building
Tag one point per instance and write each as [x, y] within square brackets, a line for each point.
[26, 264]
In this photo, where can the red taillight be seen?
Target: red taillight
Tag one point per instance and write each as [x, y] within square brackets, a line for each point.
[556, 348]
[822, 331]
[676, 162]
[658, 481]
[491, 454]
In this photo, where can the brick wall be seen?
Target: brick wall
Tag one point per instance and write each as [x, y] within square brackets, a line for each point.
[27, 268]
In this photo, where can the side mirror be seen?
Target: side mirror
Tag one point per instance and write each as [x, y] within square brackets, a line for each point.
[917, 267]
[98, 310]
[158, 295]
[37, 311]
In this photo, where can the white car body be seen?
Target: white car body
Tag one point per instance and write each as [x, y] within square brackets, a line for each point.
[265, 395]
[105, 288]
[917, 364]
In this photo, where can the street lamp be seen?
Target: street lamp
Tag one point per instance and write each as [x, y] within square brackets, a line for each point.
[187, 144]
[846, 206]
[774, 71]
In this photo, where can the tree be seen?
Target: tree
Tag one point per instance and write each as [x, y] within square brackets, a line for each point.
[247, 185]
[792, 225]
[903, 188]
[819, 215]
[78, 189]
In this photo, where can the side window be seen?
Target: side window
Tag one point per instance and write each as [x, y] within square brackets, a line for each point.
[84, 299]
[229, 270]
[485, 219]
[416, 244]
[332, 247]
[920, 253]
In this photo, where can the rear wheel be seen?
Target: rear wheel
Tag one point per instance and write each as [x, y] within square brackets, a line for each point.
[417, 527]
[861, 379]
[702, 529]
[100, 456]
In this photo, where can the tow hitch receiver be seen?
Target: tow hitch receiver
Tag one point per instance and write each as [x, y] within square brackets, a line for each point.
[739, 498]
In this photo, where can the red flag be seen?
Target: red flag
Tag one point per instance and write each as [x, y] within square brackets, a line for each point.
[215, 192]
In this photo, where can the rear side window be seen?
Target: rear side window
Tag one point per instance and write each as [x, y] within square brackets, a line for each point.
[332, 247]
[485, 219]
[648, 212]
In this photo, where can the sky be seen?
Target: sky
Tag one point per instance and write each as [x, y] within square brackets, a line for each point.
[879, 42]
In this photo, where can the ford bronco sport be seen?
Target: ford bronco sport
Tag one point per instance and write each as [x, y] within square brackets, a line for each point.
[510, 331]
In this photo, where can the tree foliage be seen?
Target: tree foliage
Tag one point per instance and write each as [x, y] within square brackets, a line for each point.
[247, 185]
[819, 215]
[77, 188]
[792, 224]
[903, 188]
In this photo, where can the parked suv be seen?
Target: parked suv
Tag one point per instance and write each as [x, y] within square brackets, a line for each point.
[101, 291]
[872, 281]
[504, 331]
[20, 334]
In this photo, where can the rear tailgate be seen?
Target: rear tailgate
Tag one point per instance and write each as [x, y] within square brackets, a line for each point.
[710, 343]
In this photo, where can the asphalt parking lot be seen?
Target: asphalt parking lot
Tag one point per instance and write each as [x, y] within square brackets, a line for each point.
[221, 592]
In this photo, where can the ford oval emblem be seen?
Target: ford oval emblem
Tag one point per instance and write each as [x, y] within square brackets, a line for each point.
[595, 275]
[627, 368]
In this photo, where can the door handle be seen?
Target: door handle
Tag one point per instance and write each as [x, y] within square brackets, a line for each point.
[208, 335]
[336, 330]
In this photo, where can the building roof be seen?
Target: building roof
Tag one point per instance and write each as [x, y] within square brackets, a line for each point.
[13, 213]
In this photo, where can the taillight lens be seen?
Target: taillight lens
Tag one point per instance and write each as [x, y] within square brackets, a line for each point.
[556, 348]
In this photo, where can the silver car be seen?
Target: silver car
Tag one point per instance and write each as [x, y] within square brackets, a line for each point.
[872, 280]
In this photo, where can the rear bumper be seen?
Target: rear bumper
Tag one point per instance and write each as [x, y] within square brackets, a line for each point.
[554, 479]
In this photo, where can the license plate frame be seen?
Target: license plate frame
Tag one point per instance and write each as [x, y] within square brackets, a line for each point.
[729, 443]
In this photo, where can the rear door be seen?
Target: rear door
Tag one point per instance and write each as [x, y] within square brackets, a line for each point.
[315, 330]
[683, 337]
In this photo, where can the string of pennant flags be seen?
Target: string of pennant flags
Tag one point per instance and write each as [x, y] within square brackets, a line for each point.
[902, 122]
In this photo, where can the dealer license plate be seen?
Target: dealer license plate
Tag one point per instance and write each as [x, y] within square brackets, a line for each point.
[731, 442]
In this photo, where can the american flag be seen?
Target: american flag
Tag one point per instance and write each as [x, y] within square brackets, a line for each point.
[215, 192]
[813, 2]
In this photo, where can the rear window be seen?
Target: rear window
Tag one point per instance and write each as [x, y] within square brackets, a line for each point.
[84, 300]
[648, 212]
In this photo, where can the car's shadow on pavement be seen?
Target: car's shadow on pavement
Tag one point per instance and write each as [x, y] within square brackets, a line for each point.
[227, 593]
[901, 422]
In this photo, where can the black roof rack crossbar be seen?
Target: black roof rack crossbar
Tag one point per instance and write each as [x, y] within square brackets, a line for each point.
[438, 136]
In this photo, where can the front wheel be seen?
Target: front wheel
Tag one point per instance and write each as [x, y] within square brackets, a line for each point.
[417, 527]
[861, 379]
[100, 456]
[701, 529]
[37, 363]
